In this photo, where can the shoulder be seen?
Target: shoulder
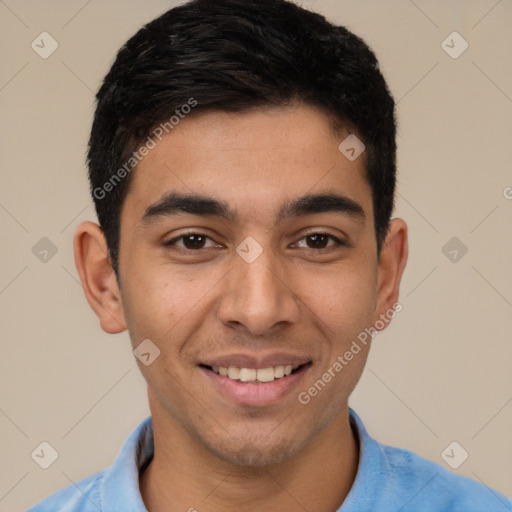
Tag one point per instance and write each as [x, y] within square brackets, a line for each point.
[428, 486]
[395, 479]
[83, 496]
[112, 488]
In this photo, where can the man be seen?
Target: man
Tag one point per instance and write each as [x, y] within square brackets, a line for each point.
[242, 164]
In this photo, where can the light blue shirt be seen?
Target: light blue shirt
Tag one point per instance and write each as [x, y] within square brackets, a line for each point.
[388, 480]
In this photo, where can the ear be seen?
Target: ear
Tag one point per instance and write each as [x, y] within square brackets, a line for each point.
[98, 277]
[392, 261]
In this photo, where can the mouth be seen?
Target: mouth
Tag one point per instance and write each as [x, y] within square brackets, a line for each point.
[251, 386]
[256, 375]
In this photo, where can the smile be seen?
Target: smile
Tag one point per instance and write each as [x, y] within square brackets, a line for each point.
[248, 386]
[255, 374]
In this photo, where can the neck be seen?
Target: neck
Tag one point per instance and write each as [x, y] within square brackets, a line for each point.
[184, 476]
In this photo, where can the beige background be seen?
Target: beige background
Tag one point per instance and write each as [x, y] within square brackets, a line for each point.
[440, 373]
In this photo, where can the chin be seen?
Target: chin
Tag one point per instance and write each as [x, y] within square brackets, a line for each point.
[255, 453]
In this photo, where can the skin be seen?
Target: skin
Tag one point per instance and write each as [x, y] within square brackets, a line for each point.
[212, 454]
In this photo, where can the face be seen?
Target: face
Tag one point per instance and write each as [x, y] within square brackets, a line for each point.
[230, 263]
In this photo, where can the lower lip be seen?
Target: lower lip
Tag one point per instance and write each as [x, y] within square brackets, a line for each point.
[255, 394]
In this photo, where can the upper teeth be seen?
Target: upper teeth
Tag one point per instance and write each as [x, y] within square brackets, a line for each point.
[253, 374]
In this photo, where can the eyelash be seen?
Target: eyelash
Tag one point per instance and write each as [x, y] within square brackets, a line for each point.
[172, 242]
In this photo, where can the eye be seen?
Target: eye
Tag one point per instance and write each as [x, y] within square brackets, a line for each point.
[195, 242]
[191, 241]
[319, 241]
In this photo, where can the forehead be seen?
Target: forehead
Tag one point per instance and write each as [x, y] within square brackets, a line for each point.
[253, 160]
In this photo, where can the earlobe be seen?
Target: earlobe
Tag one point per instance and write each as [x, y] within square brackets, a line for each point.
[392, 261]
[98, 278]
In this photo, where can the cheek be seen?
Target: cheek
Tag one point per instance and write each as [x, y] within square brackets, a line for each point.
[163, 303]
[345, 299]
[153, 304]
[343, 310]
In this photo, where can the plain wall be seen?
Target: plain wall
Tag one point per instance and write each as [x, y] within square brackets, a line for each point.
[440, 373]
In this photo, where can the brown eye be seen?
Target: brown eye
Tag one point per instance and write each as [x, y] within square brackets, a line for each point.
[191, 241]
[320, 241]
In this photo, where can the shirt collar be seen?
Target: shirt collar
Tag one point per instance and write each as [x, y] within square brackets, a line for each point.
[120, 487]
[368, 489]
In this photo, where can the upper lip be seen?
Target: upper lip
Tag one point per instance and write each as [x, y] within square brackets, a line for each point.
[256, 361]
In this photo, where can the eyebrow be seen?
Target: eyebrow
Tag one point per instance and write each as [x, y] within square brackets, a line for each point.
[175, 203]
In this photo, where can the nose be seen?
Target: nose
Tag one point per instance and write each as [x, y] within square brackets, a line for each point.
[257, 296]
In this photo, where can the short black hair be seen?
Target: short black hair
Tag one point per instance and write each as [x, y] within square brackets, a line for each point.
[234, 56]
